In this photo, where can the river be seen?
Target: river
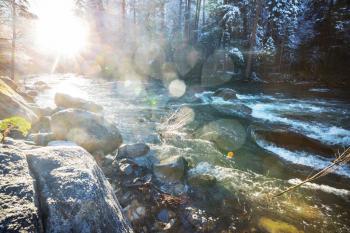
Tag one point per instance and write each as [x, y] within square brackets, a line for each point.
[291, 132]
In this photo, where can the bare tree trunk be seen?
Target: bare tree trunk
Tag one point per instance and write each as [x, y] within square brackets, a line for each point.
[13, 47]
[196, 22]
[162, 17]
[134, 11]
[252, 42]
[187, 21]
[180, 18]
[203, 13]
[123, 10]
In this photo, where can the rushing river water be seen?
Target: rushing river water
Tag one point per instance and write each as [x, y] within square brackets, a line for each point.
[286, 137]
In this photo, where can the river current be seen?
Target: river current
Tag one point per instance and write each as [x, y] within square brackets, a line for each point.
[287, 136]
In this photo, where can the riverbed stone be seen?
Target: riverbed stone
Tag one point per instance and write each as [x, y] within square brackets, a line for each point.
[41, 139]
[201, 180]
[276, 226]
[293, 141]
[40, 86]
[227, 134]
[133, 150]
[89, 130]
[225, 93]
[234, 109]
[12, 104]
[75, 196]
[172, 168]
[18, 211]
[67, 101]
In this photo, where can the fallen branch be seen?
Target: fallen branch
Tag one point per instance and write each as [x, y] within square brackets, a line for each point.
[340, 160]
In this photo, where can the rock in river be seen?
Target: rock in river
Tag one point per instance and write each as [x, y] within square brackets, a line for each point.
[75, 196]
[87, 129]
[12, 104]
[225, 93]
[226, 134]
[66, 101]
[133, 150]
[172, 168]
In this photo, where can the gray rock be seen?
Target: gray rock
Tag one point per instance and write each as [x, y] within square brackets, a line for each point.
[225, 93]
[87, 129]
[163, 215]
[61, 143]
[12, 104]
[133, 150]
[75, 196]
[200, 219]
[201, 180]
[41, 86]
[42, 112]
[126, 168]
[41, 139]
[66, 101]
[18, 212]
[135, 211]
[172, 168]
[233, 109]
[227, 134]
[42, 125]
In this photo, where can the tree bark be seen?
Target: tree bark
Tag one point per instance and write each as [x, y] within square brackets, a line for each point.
[196, 22]
[187, 33]
[203, 13]
[252, 43]
[162, 17]
[13, 47]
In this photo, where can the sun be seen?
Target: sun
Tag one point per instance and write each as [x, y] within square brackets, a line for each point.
[58, 31]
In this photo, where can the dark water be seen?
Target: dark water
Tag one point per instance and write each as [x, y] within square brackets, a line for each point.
[264, 162]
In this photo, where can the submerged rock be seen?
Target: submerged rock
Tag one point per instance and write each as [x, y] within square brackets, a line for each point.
[228, 135]
[18, 212]
[172, 168]
[87, 129]
[294, 141]
[41, 86]
[200, 219]
[276, 226]
[201, 180]
[74, 193]
[225, 93]
[66, 101]
[233, 110]
[133, 150]
[12, 104]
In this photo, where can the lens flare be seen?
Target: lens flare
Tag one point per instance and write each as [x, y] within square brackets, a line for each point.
[58, 30]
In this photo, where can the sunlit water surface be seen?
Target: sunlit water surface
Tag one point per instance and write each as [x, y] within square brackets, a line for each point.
[259, 168]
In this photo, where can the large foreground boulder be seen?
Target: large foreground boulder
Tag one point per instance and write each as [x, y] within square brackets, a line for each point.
[87, 129]
[12, 104]
[66, 101]
[18, 212]
[75, 196]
